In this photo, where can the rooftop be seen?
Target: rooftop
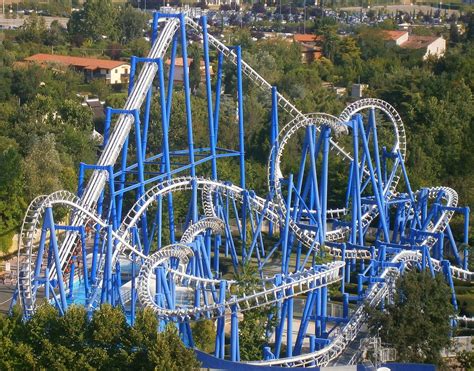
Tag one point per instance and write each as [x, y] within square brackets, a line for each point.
[394, 35]
[86, 63]
[178, 62]
[305, 38]
[418, 42]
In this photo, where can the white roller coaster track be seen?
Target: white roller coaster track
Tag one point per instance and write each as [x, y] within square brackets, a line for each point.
[135, 101]
[296, 283]
[207, 186]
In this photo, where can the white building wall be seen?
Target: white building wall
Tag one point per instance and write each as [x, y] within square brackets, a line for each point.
[437, 48]
[402, 39]
[115, 74]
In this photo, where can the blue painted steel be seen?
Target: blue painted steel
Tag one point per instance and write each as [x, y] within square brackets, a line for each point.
[304, 212]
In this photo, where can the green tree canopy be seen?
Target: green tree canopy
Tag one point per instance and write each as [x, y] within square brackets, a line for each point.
[417, 323]
[106, 342]
[95, 21]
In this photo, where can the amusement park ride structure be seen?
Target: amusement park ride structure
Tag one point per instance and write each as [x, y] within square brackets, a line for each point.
[104, 254]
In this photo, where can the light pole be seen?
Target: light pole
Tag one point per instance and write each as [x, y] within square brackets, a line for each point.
[304, 17]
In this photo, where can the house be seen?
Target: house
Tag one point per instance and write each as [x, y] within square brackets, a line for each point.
[179, 71]
[113, 72]
[399, 37]
[311, 46]
[432, 45]
[357, 91]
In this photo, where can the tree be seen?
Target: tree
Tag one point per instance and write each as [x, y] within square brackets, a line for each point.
[50, 341]
[466, 360]
[131, 23]
[43, 167]
[95, 21]
[6, 76]
[56, 34]
[195, 69]
[26, 82]
[12, 204]
[33, 30]
[417, 323]
[204, 335]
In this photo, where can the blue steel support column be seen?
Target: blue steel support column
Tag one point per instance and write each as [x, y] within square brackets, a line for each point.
[133, 295]
[376, 188]
[169, 98]
[344, 269]
[449, 278]
[220, 331]
[289, 328]
[234, 336]
[108, 119]
[95, 248]
[285, 263]
[133, 68]
[166, 150]
[84, 261]
[324, 309]
[71, 277]
[326, 133]
[317, 314]
[146, 122]
[209, 97]
[345, 305]
[240, 107]
[40, 253]
[57, 262]
[217, 105]
[141, 174]
[123, 178]
[357, 213]
[376, 150]
[466, 238]
[314, 178]
[189, 120]
[80, 180]
[273, 140]
[154, 28]
[108, 265]
[47, 284]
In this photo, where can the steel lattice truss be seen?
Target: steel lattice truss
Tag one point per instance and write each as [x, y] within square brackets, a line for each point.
[119, 257]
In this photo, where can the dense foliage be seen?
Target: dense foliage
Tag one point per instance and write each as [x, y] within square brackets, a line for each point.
[105, 342]
[45, 132]
[417, 322]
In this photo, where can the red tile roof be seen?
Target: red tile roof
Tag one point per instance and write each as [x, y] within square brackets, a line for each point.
[418, 42]
[305, 38]
[86, 63]
[394, 35]
[178, 62]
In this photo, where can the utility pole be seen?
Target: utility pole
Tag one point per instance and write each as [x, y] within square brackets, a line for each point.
[304, 17]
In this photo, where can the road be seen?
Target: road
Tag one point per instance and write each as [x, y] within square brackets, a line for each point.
[404, 8]
[6, 293]
[9, 23]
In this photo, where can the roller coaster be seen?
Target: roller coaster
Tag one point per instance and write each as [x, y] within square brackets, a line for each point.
[86, 249]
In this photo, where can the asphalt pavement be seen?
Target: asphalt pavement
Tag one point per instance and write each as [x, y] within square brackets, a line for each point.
[11, 23]
[6, 294]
